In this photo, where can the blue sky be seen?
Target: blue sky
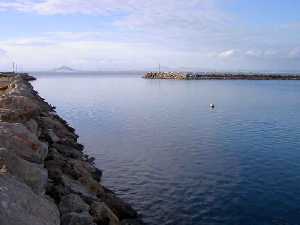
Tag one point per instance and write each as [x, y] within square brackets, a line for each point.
[139, 34]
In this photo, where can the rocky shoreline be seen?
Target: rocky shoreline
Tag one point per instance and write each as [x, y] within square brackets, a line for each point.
[218, 76]
[45, 177]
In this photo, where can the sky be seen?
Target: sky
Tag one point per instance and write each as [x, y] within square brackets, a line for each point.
[192, 35]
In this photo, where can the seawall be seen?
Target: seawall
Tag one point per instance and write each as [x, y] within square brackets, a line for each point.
[218, 76]
[45, 176]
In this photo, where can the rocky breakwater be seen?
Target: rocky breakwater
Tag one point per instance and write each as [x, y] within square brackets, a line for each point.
[45, 177]
[165, 75]
[219, 76]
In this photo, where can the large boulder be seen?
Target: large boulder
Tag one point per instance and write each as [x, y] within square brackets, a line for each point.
[77, 219]
[72, 203]
[19, 205]
[20, 108]
[120, 208]
[103, 215]
[33, 126]
[17, 138]
[32, 174]
[57, 127]
[75, 187]
[68, 151]
[82, 169]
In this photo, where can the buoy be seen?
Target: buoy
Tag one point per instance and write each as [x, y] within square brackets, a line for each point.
[212, 106]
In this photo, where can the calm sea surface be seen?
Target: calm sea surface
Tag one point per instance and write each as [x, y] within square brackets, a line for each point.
[177, 161]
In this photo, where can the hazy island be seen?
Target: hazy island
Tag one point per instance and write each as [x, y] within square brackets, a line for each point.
[64, 69]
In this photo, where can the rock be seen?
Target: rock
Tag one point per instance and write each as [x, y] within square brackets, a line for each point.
[122, 209]
[74, 186]
[72, 143]
[68, 151]
[132, 222]
[73, 203]
[55, 163]
[3, 170]
[13, 115]
[32, 126]
[54, 169]
[103, 215]
[59, 128]
[21, 141]
[23, 108]
[53, 137]
[92, 185]
[19, 205]
[28, 167]
[77, 219]
[97, 174]
[56, 191]
[34, 175]
[81, 169]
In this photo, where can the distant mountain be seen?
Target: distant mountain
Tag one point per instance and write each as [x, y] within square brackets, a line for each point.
[64, 69]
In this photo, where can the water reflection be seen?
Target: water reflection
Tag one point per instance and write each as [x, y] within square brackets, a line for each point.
[179, 162]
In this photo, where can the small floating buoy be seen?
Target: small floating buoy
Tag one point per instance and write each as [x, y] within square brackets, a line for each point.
[212, 106]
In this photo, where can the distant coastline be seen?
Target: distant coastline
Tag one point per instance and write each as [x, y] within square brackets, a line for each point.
[64, 69]
[219, 76]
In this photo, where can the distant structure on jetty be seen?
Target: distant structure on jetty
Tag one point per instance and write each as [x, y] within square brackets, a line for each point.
[218, 76]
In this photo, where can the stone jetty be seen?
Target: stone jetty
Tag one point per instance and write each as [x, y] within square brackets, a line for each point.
[45, 176]
[218, 76]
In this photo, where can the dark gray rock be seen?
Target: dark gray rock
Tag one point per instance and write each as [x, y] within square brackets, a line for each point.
[60, 129]
[72, 203]
[103, 215]
[74, 186]
[19, 205]
[77, 219]
[32, 126]
[122, 209]
[34, 175]
[53, 137]
[132, 222]
[82, 169]
[68, 151]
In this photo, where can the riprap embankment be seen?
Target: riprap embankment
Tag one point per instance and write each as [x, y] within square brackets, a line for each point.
[45, 176]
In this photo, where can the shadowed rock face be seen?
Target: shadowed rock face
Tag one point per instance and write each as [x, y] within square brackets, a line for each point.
[45, 178]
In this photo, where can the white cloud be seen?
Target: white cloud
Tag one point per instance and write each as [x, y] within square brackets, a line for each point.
[254, 53]
[142, 33]
[171, 22]
[271, 53]
[21, 6]
[81, 54]
[228, 54]
[104, 7]
[172, 15]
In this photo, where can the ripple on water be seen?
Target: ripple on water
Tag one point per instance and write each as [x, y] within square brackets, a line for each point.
[178, 162]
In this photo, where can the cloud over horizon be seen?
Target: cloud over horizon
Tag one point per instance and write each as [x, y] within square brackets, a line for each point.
[136, 34]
